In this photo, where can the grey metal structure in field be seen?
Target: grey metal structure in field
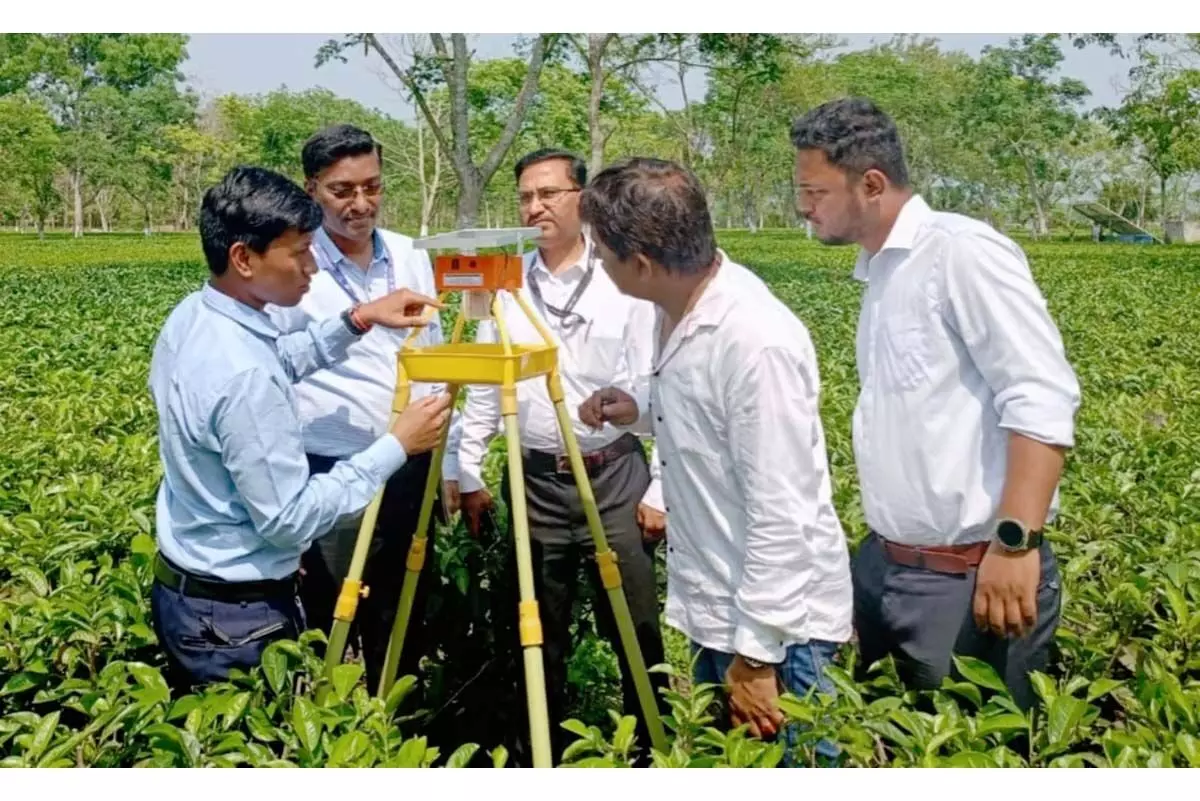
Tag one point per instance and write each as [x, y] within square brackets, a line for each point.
[1104, 217]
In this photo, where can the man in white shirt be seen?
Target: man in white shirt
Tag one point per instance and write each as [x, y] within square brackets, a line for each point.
[758, 574]
[348, 404]
[965, 411]
[594, 327]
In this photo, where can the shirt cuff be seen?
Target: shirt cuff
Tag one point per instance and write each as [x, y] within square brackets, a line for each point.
[450, 471]
[1047, 419]
[654, 496]
[469, 479]
[336, 338]
[759, 642]
[383, 457]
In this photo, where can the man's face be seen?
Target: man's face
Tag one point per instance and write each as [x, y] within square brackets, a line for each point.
[282, 273]
[548, 198]
[349, 191]
[829, 199]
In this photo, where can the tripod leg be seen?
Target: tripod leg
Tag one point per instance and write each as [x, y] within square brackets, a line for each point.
[610, 574]
[352, 586]
[414, 563]
[530, 621]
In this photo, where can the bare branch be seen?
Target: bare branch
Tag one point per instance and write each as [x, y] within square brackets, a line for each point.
[492, 162]
[417, 94]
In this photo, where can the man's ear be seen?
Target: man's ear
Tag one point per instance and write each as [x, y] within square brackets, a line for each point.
[310, 186]
[645, 267]
[239, 260]
[874, 184]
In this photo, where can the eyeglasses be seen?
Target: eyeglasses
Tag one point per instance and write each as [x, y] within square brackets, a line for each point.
[345, 191]
[546, 194]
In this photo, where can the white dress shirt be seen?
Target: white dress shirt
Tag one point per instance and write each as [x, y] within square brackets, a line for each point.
[344, 408]
[756, 560]
[604, 351]
[955, 349]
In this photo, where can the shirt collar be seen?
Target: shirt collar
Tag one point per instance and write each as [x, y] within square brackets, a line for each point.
[576, 270]
[912, 217]
[716, 301]
[240, 313]
[334, 255]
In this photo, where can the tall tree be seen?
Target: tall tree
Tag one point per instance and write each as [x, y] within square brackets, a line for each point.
[1160, 117]
[81, 76]
[29, 152]
[1020, 115]
[450, 66]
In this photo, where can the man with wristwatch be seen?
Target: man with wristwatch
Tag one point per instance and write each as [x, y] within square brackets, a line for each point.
[966, 410]
[238, 505]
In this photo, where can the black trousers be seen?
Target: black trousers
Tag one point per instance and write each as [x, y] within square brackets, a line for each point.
[327, 561]
[561, 545]
[922, 617]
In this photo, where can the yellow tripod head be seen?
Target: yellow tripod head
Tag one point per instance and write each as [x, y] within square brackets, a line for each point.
[480, 279]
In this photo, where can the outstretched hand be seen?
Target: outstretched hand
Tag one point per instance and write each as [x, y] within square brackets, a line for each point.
[400, 309]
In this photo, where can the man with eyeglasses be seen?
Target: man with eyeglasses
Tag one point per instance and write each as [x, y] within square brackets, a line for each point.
[348, 404]
[591, 322]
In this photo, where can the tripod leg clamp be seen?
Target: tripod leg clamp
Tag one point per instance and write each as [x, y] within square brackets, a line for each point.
[531, 624]
[610, 574]
[347, 601]
[416, 554]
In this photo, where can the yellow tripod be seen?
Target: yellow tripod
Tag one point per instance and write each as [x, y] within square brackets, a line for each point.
[482, 279]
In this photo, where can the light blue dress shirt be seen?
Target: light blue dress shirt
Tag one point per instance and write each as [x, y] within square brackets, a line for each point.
[236, 501]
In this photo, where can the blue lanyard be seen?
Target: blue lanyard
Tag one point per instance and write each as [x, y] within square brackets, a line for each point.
[340, 277]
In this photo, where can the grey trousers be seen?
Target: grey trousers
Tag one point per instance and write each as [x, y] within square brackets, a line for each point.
[922, 617]
[563, 556]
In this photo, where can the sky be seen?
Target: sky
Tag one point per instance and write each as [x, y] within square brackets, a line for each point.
[259, 63]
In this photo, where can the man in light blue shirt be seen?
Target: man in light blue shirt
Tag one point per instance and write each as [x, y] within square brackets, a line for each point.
[237, 506]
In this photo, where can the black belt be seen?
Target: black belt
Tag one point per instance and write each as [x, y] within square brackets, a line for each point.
[214, 589]
[543, 462]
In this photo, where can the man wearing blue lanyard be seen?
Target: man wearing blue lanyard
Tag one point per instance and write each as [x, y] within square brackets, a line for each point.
[603, 337]
[237, 505]
[348, 404]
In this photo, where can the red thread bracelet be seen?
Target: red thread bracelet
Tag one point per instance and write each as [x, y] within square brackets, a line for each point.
[357, 319]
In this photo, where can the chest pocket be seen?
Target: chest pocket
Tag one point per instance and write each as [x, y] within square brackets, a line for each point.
[905, 351]
[596, 347]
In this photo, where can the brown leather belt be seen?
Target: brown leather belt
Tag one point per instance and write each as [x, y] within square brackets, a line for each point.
[542, 462]
[953, 559]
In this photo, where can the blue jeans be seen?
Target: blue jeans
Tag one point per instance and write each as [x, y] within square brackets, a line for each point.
[802, 668]
[205, 639]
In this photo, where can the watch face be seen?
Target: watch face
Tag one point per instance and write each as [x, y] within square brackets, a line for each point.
[1010, 534]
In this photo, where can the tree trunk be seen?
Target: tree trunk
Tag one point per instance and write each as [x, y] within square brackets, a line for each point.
[1162, 202]
[597, 44]
[470, 194]
[77, 194]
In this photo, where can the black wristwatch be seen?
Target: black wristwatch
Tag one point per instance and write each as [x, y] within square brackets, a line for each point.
[348, 321]
[1015, 537]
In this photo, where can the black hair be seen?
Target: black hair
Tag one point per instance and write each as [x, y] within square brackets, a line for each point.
[576, 167]
[330, 145]
[855, 135]
[653, 207]
[253, 206]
